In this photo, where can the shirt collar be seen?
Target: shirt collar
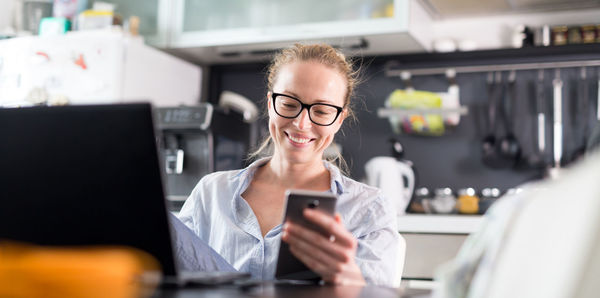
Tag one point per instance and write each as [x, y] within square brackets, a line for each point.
[337, 186]
[246, 175]
[241, 210]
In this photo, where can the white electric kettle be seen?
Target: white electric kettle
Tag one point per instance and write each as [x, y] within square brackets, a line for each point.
[394, 177]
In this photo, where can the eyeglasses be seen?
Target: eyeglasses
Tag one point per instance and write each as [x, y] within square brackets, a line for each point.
[322, 114]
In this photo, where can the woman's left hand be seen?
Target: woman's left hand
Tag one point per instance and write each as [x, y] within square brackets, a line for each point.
[333, 257]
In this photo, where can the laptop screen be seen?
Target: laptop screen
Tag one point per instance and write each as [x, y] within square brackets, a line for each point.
[83, 175]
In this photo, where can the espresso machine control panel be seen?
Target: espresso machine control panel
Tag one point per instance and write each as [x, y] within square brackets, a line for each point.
[190, 117]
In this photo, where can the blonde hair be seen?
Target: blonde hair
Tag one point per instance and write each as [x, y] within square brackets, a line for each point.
[325, 55]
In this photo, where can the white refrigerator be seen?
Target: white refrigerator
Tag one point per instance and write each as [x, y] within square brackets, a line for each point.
[93, 67]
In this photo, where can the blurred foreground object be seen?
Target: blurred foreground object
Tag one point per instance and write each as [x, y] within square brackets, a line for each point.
[36, 271]
[541, 242]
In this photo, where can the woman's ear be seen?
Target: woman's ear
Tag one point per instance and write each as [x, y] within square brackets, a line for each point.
[343, 115]
[268, 101]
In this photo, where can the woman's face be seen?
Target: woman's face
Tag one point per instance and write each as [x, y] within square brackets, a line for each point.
[299, 140]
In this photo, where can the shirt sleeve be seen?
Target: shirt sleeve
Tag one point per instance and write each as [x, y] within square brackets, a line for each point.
[378, 247]
[192, 253]
[185, 214]
[191, 249]
[189, 212]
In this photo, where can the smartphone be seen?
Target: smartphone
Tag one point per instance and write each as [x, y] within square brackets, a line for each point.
[288, 266]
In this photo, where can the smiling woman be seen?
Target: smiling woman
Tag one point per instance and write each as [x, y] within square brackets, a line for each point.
[299, 138]
[238, 213]
[345, 75]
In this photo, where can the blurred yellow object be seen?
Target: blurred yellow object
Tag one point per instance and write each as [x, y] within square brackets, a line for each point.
[37, 271]
[414, 99]
[468, 204]
[389, 10]
[435, 124]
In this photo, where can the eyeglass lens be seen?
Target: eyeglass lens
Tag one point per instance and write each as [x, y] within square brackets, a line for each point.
[319, 113]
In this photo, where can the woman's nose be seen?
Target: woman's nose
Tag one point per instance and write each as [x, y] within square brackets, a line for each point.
[303, 120]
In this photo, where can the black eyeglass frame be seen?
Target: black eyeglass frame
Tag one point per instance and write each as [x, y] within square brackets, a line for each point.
[307, 107]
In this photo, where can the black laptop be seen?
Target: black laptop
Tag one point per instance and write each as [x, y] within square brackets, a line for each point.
[86, 175]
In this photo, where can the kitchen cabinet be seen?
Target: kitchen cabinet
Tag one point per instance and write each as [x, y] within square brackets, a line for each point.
[241, 30]
[432, 240]
[154, 18]
[439, 224]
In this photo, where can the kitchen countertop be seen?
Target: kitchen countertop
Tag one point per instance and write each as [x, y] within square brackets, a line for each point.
[439, 224]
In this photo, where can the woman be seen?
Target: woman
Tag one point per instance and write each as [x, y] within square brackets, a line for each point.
[238, 213]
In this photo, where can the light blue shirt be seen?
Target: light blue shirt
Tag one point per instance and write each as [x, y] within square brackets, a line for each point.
[217, 213]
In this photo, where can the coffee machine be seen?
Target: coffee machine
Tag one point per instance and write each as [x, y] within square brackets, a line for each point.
[198, 140]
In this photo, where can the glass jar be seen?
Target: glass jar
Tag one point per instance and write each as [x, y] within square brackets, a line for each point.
[574, 35]
[513, 191]
[468, 201]
[559, 35]
[420, 202]
[444, 201]
[488, 197]
[588, 33]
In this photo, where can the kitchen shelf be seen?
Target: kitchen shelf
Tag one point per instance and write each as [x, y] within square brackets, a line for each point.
[520, 56]
[493, 67]
[439, 224]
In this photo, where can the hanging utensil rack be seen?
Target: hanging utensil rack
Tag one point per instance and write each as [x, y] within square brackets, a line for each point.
[390, 71]
[489, 68]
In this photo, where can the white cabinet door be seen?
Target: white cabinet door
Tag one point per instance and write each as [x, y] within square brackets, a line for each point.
[223, 30]
[228, 22]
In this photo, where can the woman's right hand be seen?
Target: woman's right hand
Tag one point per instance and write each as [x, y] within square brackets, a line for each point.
[333, 258]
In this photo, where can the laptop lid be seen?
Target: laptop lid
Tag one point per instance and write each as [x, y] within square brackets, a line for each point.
[83, 175]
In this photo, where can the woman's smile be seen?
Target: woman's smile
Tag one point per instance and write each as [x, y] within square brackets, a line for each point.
[298, 140]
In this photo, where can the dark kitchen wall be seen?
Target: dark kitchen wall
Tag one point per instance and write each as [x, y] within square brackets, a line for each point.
[454, 159]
